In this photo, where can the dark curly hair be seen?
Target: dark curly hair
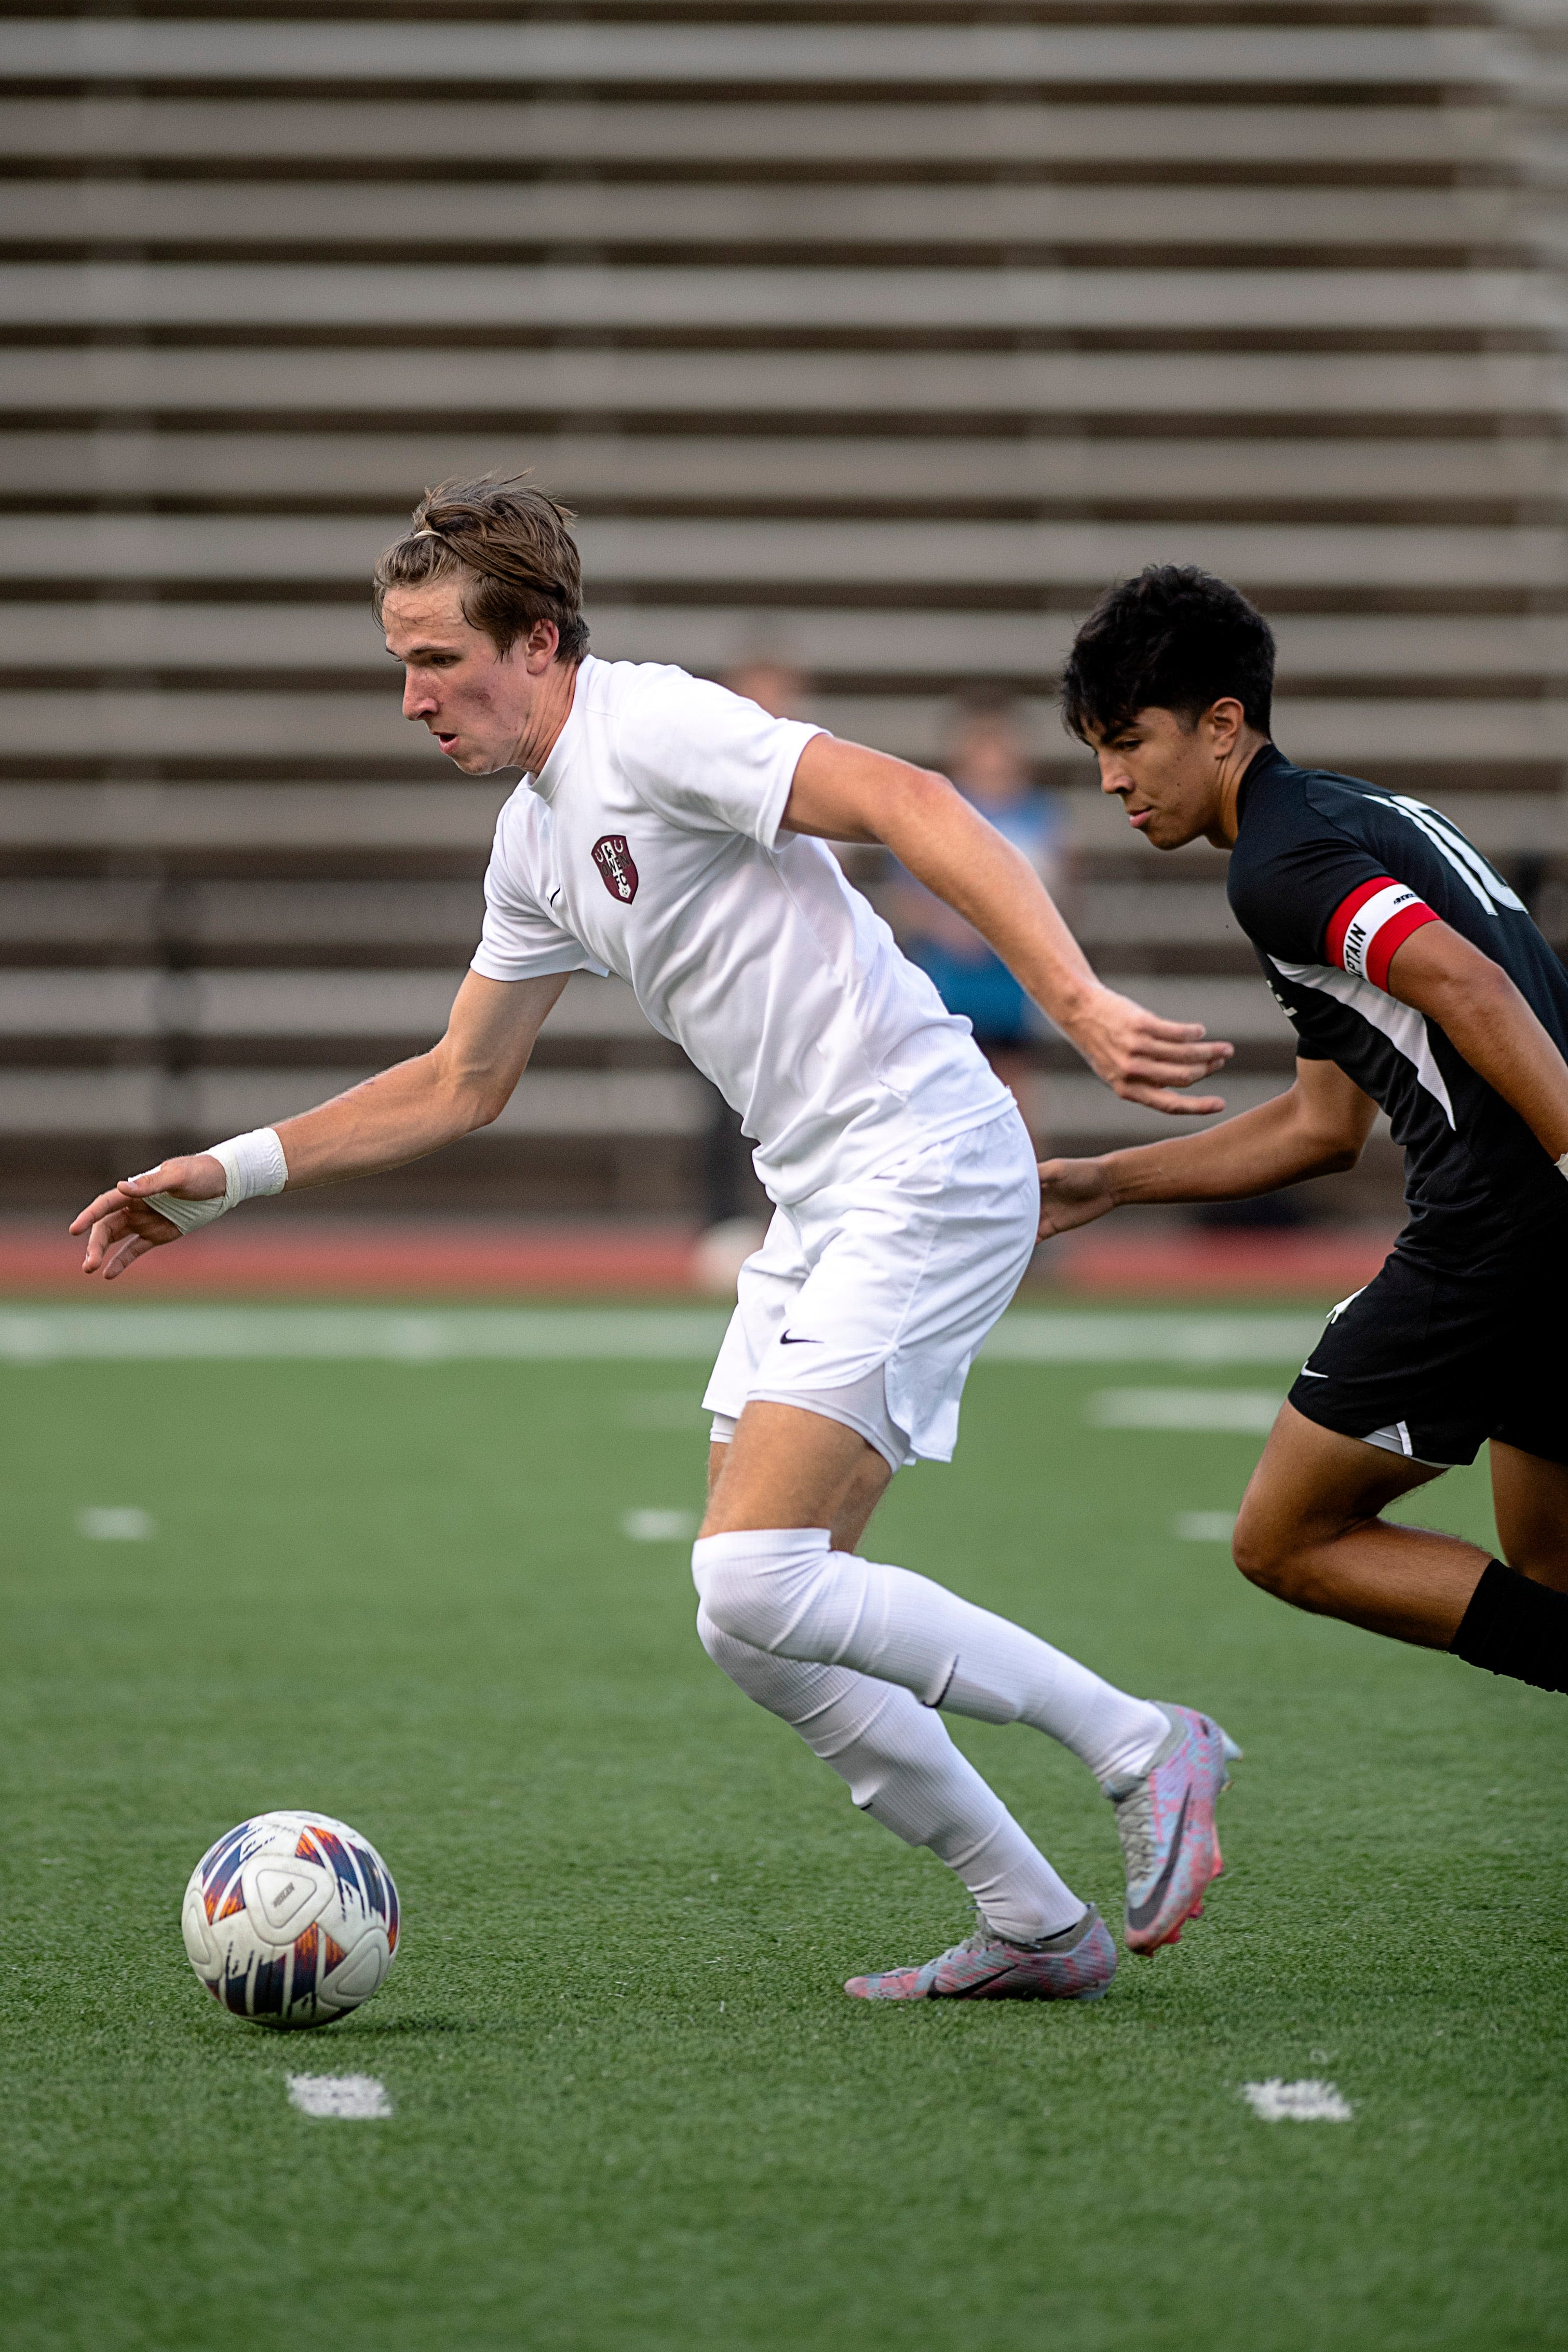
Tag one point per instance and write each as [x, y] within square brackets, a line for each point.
[1175, 638]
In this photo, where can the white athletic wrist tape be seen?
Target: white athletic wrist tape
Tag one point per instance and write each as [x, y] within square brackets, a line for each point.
[253, 1167]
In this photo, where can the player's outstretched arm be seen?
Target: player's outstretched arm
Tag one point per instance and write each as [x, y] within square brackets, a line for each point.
[843, 792]
[462, 1083]
[1483, 1014]
[1317, 1128]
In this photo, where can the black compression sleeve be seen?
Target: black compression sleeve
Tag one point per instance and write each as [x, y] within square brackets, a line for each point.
[1515, 1626]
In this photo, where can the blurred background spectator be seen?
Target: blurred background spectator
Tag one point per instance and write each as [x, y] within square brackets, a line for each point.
[987, 758]
[775, 687]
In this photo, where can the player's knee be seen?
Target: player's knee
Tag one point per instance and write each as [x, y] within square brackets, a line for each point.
[740, 1654]
[742, 1598]
[717, 1643]
[1263, 1550]
[1286, 1560]
[782, 1590]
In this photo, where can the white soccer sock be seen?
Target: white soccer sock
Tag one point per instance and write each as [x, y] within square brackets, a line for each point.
[905, 1772]
[782, 1589]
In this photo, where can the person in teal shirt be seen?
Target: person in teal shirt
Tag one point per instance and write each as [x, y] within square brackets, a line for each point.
[987, 759]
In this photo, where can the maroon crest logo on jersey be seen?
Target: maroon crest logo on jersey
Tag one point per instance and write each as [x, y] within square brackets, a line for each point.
[617, 868]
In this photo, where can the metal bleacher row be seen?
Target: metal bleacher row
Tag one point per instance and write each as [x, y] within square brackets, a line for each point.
[874, 338]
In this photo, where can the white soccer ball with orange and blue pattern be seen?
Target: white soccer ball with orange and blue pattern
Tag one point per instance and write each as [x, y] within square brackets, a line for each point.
[292, 1919]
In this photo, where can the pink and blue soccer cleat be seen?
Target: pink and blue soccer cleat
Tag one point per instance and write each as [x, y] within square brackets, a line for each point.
[1076, 1966]
[1165, 1818]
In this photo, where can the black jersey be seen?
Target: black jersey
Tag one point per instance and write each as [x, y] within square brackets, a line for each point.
[1328, 876]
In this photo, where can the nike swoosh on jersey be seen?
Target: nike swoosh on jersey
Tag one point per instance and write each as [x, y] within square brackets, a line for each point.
[794, 1340]
[1305, 1375]
[1140, 1914]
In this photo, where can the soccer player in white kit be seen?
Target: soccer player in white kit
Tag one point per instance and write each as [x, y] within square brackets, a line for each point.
[674, 833]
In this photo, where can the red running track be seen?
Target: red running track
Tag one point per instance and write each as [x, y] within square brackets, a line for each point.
[1328, 1262]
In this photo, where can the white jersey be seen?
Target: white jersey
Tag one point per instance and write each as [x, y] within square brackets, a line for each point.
[649, 846]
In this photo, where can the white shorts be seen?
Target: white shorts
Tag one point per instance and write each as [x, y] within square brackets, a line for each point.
[867, 1302]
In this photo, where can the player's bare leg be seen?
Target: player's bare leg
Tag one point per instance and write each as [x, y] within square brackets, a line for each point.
[1308, 1531]
[868, 1484]
[789, 1468]
[1311, 1530]
[1530, 1503]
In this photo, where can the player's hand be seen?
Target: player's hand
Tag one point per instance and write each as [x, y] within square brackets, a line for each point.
[121, 1227]
[1072, 1192]
[1145, 1059]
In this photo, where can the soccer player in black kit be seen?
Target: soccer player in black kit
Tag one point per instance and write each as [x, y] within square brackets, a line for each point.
[1416, 981]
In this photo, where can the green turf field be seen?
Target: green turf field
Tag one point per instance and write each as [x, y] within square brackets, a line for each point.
[633, 2109]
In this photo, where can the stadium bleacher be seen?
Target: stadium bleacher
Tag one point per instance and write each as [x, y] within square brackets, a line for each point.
[873, 337]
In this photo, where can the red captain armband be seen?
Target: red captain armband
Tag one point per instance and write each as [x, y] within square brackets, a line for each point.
[1365, 928]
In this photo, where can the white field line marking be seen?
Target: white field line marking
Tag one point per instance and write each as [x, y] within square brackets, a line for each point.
[1203, 1527]
[1311, 2102]
[127, 1333]
[1041, 1336]
[357, 2097]
[659, 1527]
[114, 1523]
[131, 1334]
[1249, 1411]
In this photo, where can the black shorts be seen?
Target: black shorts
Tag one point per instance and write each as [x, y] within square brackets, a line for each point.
[1432, 1358]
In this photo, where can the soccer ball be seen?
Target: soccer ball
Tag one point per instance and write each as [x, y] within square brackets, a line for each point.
[292, 1919]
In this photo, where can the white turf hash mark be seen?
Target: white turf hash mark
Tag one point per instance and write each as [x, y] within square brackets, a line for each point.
[659, 1527]
[119, 1523]
[358, 2097]
[1203, 1527]
[1311, 2102]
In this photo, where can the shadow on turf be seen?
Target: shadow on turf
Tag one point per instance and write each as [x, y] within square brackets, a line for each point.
[387, 2027]
[323, 2038]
